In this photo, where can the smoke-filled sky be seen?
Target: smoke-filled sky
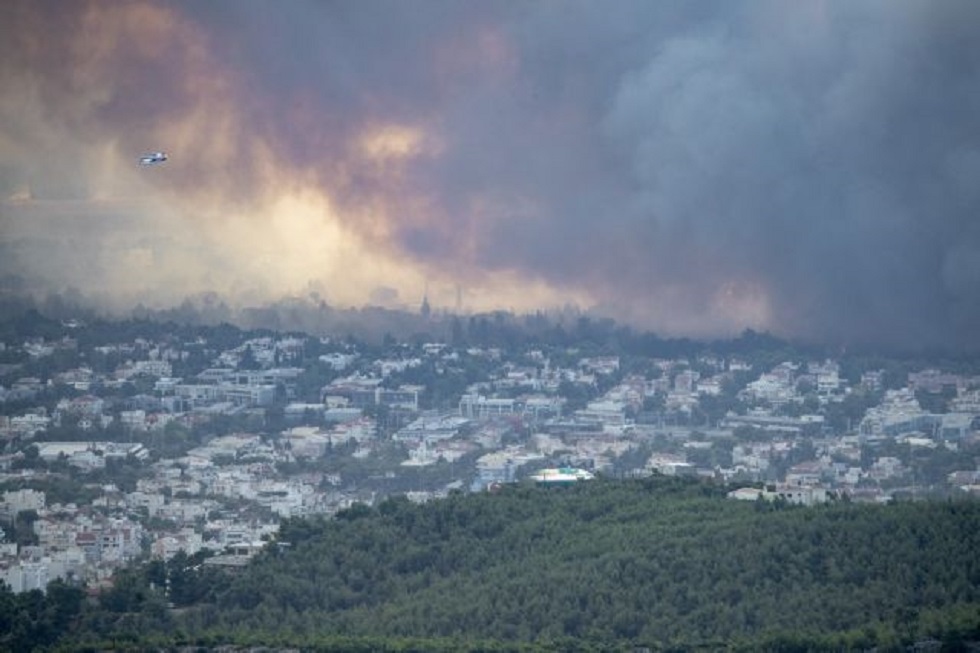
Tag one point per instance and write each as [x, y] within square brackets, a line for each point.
[696, 168]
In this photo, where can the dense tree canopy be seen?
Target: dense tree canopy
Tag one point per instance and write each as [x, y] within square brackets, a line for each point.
[608, 564]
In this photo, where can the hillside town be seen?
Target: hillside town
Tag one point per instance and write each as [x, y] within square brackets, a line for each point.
[120, 444]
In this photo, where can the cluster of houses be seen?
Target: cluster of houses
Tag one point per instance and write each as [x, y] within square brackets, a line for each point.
[70, 542]
[228, 492]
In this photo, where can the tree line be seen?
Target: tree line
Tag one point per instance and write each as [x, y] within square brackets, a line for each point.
[663, 563]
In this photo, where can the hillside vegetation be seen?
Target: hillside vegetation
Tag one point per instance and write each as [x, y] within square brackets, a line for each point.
[661, 563]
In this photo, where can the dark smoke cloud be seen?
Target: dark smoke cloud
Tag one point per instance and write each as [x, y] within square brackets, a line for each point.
[697, 168]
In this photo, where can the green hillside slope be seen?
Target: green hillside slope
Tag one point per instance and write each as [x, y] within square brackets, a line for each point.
[662, 563]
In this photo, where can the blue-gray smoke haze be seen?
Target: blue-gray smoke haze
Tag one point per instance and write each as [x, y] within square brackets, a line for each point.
[815, 165]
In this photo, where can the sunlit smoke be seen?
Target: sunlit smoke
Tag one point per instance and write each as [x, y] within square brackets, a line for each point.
[696, 169]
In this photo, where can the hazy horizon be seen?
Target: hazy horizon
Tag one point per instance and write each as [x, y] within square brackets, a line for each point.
[692, 169]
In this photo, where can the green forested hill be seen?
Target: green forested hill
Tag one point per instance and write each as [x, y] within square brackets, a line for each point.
[661, 563]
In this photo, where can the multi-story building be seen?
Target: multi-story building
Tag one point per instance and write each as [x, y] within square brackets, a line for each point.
[603, 413]
[362, 392]
[481, 407]
[24, 576]
[15, 501]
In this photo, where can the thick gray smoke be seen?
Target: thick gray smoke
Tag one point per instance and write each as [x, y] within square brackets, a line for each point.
[695, 168]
